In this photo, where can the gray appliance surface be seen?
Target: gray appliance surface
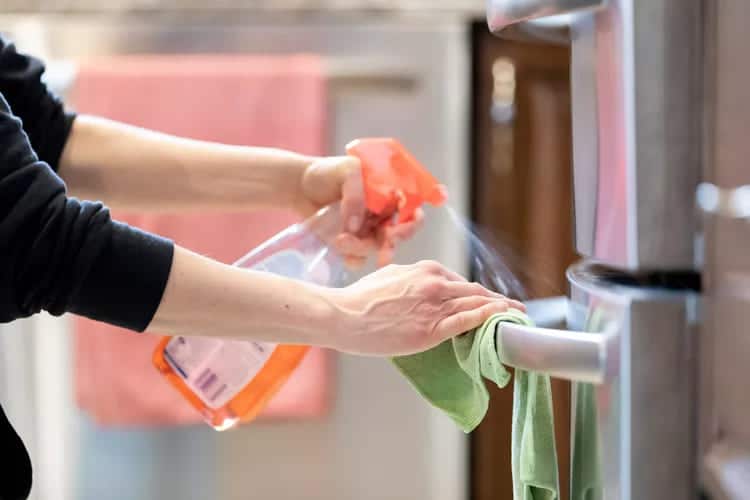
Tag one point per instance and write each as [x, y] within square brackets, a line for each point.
[636, 83]
[631, 351]
[622, 427]
[637, 69]
[725, 338]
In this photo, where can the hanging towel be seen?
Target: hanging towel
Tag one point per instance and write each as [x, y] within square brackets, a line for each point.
[243, 100]
[585, 478]
[450, 376]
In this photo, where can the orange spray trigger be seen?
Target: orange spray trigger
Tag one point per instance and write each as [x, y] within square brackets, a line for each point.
[392, 177]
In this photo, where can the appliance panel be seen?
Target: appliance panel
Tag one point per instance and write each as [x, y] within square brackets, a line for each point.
[622, 428]
[636, 82]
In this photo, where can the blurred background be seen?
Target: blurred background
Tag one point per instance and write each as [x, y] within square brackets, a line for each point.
[489, 117]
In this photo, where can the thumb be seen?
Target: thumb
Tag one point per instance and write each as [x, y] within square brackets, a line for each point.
[337, 178]
[323, 180]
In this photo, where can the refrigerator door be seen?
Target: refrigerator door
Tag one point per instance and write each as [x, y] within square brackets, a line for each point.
[725, 342]
[636, 76]
[631, 352]
[632, 434]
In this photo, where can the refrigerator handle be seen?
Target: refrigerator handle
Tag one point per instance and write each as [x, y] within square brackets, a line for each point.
[547, 21]
[504, 13]
[560, 353]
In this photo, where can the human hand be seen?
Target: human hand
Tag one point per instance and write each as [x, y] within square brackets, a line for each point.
[339, 178]
[399, 310]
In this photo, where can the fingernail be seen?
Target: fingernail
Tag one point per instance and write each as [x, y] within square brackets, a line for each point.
[354, 223]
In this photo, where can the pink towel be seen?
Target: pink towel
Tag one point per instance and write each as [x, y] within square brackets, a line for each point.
[244, 100]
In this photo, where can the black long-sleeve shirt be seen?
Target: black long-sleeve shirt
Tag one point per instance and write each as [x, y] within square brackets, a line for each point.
[57, 253]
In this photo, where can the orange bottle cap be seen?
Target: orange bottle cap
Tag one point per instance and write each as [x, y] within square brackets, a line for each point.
[393, 179]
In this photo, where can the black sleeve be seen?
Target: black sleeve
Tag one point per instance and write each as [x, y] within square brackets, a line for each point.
[61, 255]
[44, 118]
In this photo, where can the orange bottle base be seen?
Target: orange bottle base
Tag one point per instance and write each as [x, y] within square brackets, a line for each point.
[250, 401]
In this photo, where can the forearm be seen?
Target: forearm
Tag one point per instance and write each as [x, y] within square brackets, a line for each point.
[135, 169]
[206, 298]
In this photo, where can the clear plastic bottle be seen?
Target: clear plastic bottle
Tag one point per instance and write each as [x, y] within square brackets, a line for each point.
[231, 381]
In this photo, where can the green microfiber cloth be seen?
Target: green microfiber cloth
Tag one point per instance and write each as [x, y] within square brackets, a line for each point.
[450, 377]
[586, 481]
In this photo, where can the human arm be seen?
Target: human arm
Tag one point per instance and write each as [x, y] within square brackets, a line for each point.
[60, 254]
[396, 310]
[131, 168]
[63, 255]
[135, 169]
[141, 170]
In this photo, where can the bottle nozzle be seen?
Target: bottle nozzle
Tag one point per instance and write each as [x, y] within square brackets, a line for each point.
[392, 176]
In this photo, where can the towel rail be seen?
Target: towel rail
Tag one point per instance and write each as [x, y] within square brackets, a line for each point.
[371, 73]
[341, 73]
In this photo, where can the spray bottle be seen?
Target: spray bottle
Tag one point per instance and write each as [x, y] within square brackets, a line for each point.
[231, 381]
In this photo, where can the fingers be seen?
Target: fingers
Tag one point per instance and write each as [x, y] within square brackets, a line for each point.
[359, 249]
[437, 269]
[388, 236]
[515, 304]
[461, 304]
[323, 180]
[456, 289]
[467, 320]
[349, 245]
[365, 233]
[404, 231]
[460, 286]
[353, 209]
[385, 254]
[335, 178]
[355, 263]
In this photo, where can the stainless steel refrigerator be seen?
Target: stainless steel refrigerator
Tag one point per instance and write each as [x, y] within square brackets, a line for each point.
[656, 339]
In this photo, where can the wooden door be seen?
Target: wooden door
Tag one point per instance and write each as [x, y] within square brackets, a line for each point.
[522, 183]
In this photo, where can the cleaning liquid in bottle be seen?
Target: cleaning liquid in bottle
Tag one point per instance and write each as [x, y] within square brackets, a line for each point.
[231, 381]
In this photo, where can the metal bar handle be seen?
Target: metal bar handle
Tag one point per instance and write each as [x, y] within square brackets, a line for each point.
[504, 13]
[575, 356]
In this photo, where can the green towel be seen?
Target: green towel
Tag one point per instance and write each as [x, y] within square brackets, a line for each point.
[585, 480]
[450, 377]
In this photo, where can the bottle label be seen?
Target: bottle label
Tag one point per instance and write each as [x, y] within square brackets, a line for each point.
[216, 369]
